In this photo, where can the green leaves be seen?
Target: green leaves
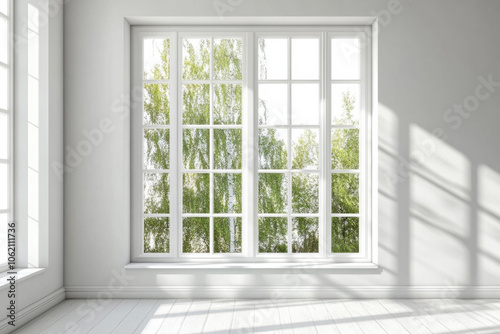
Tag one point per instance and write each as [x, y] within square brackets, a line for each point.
[345, 193]
[228, 54]
[273, 233]
[156, 104]
[196, 193]
[196, 235]
[283, 192]
[345, 148]
[305, 235]
[196, 58]
[157, 235]
[156, 148]
[345, 235]
[156, 193]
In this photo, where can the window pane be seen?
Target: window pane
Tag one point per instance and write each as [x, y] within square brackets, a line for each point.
[305, 193]
[4, 186]
[345, 193]
[227, 148]
[156, 59]
[33, 52]
[305, 149]
[345, 235]
[273, 58]
[4, 136]
[345, 59]
[4, 87]
[4, 43]
[345, 104]
[156, 193]
[345, 149]
[273, 235]
[273, 149]
[156, 235]
[305, 235]
[305, 59]
[227, 235]
[156, 104]
[273, 103]
[227, 193]
[273, 193]
[3, 236]
[196, 193]
[196, 104]
[196, 235]
[305, 104]
[228, 54]
[4, 7]
[196, 148]
[196, 58]
[156, 148]
[227, 104]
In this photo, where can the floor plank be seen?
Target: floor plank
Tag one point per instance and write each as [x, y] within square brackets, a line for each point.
[267, 317]
[197, 315]
[322, 320]
[153, 321]
[50, 317]
[135, 317]
[81, 312]
[342, 317]
[410, 320]
[424, 317]
[99, 313]
[302, 321]
[285, 318]
[383, 318]
[366, 322]
[437, 309]
[219, 316]
[243, 317]
[347, 316]
[173, 322]
[115, 317]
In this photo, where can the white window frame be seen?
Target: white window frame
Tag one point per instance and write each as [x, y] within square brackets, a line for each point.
[9, 112]
[250, 214]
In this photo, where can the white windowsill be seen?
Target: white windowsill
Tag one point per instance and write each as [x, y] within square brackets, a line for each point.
[22, 274]
[253, 265]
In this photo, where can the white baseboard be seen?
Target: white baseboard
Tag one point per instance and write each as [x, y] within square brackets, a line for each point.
[34, 310]
[284, 292]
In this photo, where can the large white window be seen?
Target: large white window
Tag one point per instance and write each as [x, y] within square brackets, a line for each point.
[251, 144]
[6, 136]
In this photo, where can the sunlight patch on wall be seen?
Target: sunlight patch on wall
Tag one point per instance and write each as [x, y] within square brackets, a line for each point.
[488, 220]
[388, 153]
[439, 211]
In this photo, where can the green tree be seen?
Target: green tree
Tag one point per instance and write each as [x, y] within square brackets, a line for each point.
[345, 187]
[227, 146]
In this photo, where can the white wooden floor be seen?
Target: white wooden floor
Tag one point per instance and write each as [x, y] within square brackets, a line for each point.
[269, 316]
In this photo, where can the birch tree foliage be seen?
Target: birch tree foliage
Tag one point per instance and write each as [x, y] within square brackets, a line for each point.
[227, 145]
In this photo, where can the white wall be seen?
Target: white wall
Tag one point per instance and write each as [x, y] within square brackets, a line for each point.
[438, 226]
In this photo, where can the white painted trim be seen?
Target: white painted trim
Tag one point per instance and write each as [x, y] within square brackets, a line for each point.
[374, 137]
[251, 20]
[34, 310]
[21, 275]
[282, 292]
[367, 214]
[239, 266]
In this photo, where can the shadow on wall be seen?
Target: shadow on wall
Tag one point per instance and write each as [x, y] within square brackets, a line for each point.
[438, 211]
